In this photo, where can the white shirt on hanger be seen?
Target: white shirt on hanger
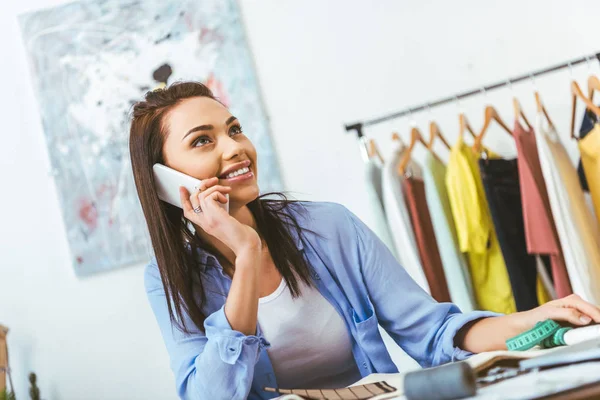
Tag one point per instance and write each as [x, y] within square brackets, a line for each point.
[373, 180]
[398, 218]
[578, 231]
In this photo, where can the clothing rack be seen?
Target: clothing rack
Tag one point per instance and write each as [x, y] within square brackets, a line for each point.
[358, 126]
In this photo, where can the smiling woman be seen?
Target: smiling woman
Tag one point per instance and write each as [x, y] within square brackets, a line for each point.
[204, 140]
[279, 292]
[186, 128]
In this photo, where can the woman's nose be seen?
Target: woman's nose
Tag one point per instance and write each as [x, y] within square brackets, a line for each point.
[231, 148]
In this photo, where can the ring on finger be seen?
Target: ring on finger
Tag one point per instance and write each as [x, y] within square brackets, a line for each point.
[198, 210]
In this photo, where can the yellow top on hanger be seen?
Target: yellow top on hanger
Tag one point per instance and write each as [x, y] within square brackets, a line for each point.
[475, 230]
[589, 147]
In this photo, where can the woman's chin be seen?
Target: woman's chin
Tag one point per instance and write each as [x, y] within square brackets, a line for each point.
[244, 196]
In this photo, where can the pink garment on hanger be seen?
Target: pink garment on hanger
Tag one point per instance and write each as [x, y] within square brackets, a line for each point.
[540, 231]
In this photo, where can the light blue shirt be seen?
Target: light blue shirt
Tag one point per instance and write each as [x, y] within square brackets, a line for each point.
[456, 270]
[353, 270]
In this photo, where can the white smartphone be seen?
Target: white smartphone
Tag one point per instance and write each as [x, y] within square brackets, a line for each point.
[168, 182]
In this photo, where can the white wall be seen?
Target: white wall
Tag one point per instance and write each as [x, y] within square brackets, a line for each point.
[320, 64]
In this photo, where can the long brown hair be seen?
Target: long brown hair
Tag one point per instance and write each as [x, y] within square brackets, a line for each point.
[169, 232]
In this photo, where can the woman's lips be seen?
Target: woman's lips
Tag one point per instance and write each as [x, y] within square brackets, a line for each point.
[247, 175]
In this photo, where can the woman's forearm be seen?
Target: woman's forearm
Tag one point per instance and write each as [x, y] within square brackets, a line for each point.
[489, 334]
[241, 307]
[492, 333]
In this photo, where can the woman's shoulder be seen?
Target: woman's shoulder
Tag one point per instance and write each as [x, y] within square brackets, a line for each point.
[324, 218]
[319, 212]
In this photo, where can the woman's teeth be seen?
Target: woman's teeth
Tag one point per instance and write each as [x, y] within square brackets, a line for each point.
[238, 172]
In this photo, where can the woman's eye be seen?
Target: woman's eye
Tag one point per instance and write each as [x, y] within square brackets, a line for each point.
[236, 129]
[200, 141]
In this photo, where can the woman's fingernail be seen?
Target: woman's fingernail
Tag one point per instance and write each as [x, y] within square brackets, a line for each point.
[585, 320]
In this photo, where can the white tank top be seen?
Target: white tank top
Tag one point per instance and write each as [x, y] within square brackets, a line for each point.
[310, 345]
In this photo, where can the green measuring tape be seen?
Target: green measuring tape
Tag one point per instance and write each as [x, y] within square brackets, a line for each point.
[546, 334]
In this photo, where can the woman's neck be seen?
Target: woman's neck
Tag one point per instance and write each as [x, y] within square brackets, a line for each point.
[224, 253]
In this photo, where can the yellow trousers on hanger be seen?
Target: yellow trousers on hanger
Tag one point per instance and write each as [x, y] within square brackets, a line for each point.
[476, 232]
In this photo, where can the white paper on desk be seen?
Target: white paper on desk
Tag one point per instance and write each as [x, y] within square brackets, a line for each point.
[543, 383]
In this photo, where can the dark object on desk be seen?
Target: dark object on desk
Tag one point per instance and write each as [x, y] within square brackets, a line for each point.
[447, 382]
[580, 352]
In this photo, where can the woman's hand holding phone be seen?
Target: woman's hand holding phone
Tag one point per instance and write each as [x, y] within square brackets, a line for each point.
[241, 306]
[214, 220]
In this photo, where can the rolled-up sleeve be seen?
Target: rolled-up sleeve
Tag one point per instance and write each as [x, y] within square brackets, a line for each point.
[215, 364]
[421, 326]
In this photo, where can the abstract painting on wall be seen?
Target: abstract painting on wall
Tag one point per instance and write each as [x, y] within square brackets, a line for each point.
[90, 61]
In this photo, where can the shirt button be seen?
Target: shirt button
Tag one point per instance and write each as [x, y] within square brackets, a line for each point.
[316, 276]
[364, 365]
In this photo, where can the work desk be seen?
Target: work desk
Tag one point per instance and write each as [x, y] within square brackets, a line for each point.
[577, 381]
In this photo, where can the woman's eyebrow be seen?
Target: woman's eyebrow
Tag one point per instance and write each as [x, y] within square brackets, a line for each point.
[207, 127]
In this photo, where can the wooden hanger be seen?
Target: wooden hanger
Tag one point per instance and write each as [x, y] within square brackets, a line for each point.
[541, 108]
[434, 131]
[373, 151]
[517, 109]
[576, 92]
[593, 85]
[490, 115]
[415, 137]
[519, 112]
[463, 125]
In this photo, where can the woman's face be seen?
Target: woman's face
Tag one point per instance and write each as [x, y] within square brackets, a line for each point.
[204, 140]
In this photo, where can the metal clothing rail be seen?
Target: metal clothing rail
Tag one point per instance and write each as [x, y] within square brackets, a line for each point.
[358, 126]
